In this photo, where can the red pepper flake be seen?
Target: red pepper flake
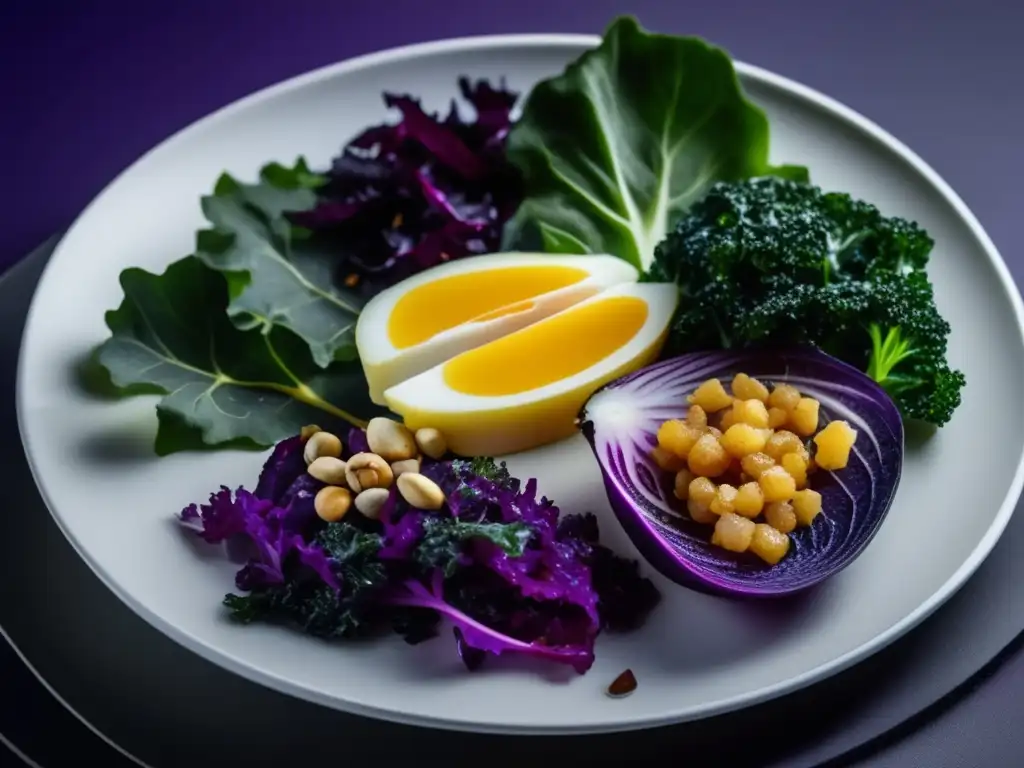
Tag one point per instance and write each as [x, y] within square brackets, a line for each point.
[352, 280]
[623, 685]
[397, 221]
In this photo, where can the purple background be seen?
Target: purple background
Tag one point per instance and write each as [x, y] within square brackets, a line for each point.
[92, 84]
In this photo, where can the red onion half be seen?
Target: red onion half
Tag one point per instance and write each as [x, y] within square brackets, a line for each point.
[621, 421]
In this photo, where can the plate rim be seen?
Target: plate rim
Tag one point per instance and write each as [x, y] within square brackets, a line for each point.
[580, 42]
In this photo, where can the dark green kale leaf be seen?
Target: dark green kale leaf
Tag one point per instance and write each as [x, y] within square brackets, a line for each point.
[317, 608]
[483, 467]
[445, 538]
[353, 552]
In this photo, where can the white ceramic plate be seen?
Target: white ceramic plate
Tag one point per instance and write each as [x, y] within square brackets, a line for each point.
[698, 655]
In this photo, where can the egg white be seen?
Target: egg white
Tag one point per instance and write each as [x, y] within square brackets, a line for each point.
[385, 365]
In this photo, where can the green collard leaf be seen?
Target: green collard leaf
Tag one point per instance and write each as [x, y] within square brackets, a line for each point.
[279, 275]
[175, 434]
[616, 149]
[299, 176]
[221, 386]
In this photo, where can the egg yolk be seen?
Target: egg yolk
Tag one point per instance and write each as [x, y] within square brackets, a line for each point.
[511, 309]
[437, 306]
[548, 351]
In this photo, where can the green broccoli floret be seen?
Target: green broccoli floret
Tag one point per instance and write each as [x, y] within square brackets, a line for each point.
[774, 262]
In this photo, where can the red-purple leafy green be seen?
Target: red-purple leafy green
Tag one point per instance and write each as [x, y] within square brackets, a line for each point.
[621, 422]
[409, 195]
[496, 563]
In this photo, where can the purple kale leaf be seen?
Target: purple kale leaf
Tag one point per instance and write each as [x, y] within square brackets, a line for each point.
[494, 562]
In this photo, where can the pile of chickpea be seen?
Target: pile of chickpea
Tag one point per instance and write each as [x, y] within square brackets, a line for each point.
[742, 462]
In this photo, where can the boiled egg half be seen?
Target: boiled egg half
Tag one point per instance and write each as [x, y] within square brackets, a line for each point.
[435, 315]
[526, 387]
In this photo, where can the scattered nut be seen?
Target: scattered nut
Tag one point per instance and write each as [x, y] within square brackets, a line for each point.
[371, 501]
[623, 685]
[308, 431]
[399, 468]
[332, 503]
[390, 440]
[420, 491]
[368, 470]
[431, 443]
[328, 469]
[321, 444]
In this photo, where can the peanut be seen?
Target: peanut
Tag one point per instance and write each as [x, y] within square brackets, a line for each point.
[420, 491]
[328, 469]
[431, 443]
[371, 501]
[390, 440]
[368, 470]
[332, 503]
[321, 444]
[399, 468]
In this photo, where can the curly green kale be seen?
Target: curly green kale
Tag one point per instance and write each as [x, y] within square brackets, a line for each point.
[312, 604]
[771, 262]
[485, 467]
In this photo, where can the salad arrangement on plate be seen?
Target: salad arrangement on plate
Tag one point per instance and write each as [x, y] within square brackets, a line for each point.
[740, 348]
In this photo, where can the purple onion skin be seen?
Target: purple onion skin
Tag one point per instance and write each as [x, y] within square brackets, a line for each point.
[855, 500]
